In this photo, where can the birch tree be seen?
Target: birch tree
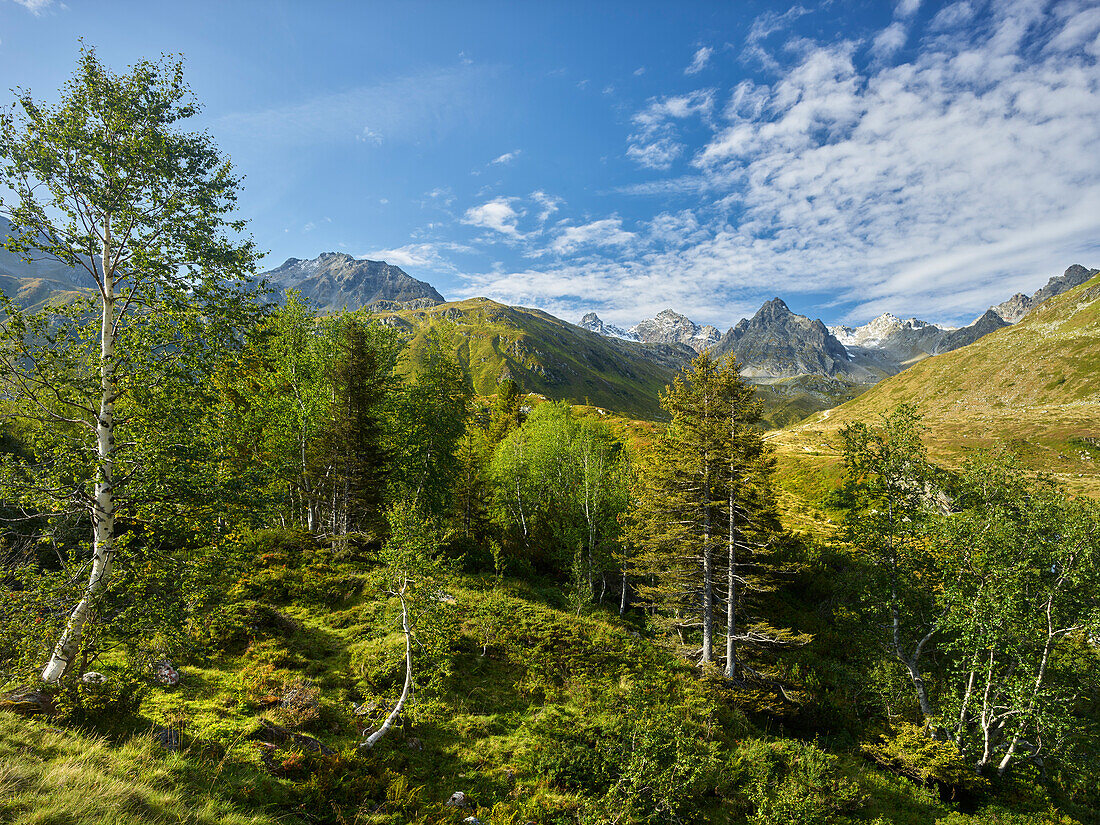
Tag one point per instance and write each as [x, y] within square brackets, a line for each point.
[1019, 607]
[888, 488]
[411, 571]
[106, 182]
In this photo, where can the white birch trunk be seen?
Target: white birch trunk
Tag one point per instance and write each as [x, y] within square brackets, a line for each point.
[103, 510]
[371, 740]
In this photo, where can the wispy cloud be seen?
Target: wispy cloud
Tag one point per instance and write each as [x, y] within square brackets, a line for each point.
[763, 27]
[655, 144]
[606, 232]
[933, 187]
[506, 158]
[35, 7]
[417, 106]
[425, 256]
[699, 60]
[906, 8]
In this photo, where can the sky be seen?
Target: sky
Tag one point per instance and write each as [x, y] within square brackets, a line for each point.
[852, 157]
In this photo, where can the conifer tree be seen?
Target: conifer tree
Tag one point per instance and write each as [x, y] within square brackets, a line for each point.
[702, 493]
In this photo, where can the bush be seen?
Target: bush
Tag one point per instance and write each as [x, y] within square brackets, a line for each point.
[787, 782]
[117, 697]
[911, 752]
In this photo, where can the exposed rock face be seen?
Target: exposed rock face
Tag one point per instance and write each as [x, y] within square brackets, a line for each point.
[333, 281]
[777, 343]
[1020, 305]
[592, 323]
[904, 339]
[989, 322]
[670, 327]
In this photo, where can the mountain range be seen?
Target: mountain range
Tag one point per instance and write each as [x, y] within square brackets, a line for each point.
[800, 365]
[777, 343]
[1032, 387]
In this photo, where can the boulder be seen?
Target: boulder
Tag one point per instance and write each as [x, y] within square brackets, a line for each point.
[458, 800]
[167, 737]
[93, 677]
[279, 737]
[165, 673]
[27, 701]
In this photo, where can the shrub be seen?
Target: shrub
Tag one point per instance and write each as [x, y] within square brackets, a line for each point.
[788, 782]
[117, 697]
[911, 752]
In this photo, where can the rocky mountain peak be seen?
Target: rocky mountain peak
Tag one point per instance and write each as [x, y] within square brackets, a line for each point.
[670, 327]
[335, 280]
[1020, 305]
[591, 322]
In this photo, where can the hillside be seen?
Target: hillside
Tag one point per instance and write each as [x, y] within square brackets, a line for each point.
[1034, 386]
[34, 284]
[546, 355]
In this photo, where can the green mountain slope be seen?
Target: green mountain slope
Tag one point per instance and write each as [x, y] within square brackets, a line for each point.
[1034, 386]
[546, 355]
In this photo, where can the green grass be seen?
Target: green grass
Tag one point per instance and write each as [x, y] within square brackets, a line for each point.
[517, 728]
[54, 776]
[545, 355]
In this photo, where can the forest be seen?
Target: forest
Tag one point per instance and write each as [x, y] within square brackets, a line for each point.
[264, 564]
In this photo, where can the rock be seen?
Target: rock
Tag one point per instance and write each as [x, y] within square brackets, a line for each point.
[299, 697]
[472, 820]
[414, 744]
[168, 738]
[458, 800]
[278, 736]
[93, 678]
[366, 709]
[164, 673]
[27, 701]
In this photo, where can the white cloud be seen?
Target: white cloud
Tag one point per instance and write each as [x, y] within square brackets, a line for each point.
[498, 214]
[548, 204]
[506, 158]
[888, 41]
[932, 188]
[427, 256]
[906, 8]
[35, 7]
[763, 27]
[606, 232]
[368, 135]
[699, 60]
[655, 143]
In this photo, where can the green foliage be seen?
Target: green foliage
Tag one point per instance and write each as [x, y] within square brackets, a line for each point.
[648, 756]
[911, 752]
[561, 488]
[115, 698]
[787, 782]
[703, 504]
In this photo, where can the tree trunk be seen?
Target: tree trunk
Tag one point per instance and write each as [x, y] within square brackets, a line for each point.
[396, 712]
[731, 590]
[708, 573]
[103, 509]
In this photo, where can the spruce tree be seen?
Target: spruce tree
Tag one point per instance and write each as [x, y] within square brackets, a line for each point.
[702, 494]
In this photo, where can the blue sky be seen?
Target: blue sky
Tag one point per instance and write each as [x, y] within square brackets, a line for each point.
[852, 157]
